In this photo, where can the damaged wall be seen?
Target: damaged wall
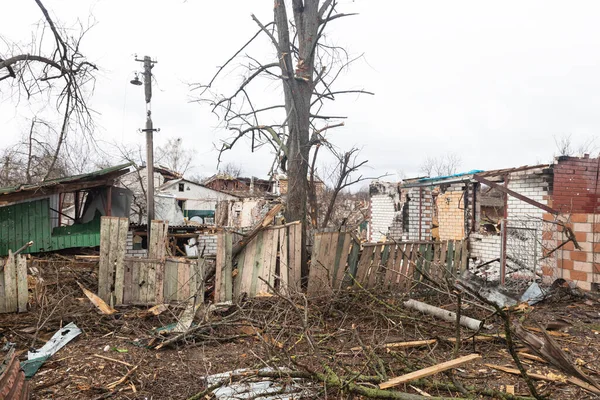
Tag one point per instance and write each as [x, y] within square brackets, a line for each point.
[242, 213]
[580, 266]
[420, 214]
[386, 211]
[451, 213]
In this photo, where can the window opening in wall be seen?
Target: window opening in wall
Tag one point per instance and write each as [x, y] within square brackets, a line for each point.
[491, 203]
[137, 242]
[182, 187]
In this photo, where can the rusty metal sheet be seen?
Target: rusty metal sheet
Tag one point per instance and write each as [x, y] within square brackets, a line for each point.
[12, 379]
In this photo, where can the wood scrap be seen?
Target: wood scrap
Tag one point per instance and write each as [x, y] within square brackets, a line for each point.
[402, 345]
[550, 351]
[113, 360]
[531, 357]
[266, 221]
[97, 301]
[113, 385]
[548, 378]
[434, 369]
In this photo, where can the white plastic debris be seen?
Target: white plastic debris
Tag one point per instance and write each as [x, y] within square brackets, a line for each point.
[534, 294]
[57, 342]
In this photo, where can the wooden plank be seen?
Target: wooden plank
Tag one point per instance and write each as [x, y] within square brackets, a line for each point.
[285, 266]
[22, 291]
[402, 266]
[219, 267]
[249, 253]
[352, 263]
[127, 280]
[113, 257]
[465, 256]
[258, 264]
[2, 292]
[162, 229]
[364, 264]
[375, 267]
[441, 267]
[297, 264]
[103, 265]
[319, 276]
[237, 280]
[265, 270]
[10, 283]
[419, 262]
[449, 257]
[228, 268]
[143, 281]
[314, 260]
[422, 373]
[390, 271]
[170, 285]
[123, 227]
[274, 275]
[328, 265]
[183, 278]
[342, 260]
[457, 257]
[135, 282]
[200, 270]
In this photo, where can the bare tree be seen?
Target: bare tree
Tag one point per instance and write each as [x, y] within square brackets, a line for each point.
[343, 176]
[305, 67]
[33, 157]
[447, 164]
[175, 156]
[232, 169]
[53, 65]
[566, 147]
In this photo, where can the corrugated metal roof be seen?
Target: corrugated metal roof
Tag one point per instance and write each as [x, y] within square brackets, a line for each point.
[13, 385]
[67, 179]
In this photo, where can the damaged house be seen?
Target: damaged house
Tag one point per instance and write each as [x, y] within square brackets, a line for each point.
[61, 213]
[514, 219]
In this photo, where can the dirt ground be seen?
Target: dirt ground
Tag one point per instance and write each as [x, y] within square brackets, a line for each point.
[345, 334]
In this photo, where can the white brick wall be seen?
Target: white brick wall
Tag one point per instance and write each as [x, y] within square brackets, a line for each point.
[208, 243]
[414, 207]
[531, 185]
[129, 251]
[385, 211]
[485, 247]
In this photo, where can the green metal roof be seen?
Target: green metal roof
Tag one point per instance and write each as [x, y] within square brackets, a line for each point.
[68, 179]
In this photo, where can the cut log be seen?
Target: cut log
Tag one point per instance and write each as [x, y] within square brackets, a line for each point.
[422, 373]
[449, 316]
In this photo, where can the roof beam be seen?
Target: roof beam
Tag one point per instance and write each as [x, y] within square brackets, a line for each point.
[515, 194]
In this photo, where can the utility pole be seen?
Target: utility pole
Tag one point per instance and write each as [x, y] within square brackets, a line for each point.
[148, 65]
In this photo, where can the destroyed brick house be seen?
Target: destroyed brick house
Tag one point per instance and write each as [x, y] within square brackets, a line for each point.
[513, 218]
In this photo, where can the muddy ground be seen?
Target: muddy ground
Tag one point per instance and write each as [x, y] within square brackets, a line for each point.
[345, 335]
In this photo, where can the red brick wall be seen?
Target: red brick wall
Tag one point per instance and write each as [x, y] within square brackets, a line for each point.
[578, 265]
[576, 188]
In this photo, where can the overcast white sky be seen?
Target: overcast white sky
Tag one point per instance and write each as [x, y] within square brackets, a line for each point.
[493, 82]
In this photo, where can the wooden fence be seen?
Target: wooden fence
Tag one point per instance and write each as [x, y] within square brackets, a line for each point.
[336, 263]
[271, 258]
[13, 284]
[152, 280]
